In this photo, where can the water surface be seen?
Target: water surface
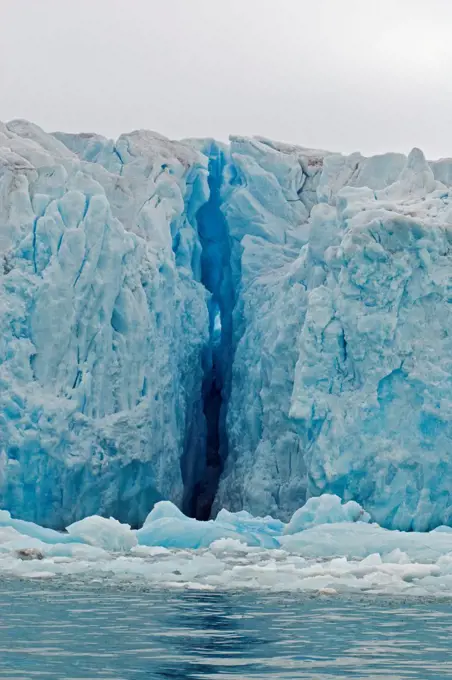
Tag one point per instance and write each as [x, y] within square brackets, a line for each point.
[66, 633]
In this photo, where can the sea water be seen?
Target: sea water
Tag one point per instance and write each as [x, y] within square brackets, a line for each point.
[83, 631]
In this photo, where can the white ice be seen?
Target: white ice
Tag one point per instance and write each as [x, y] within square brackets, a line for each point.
[172, 551]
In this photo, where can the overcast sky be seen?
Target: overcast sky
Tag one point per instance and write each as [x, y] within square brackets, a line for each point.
[368, 75]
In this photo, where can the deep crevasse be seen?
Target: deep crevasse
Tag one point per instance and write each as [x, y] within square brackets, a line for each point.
[209, 455]
[158, 334]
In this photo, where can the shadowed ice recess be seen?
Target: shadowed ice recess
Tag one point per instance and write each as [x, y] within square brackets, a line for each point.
[228, 329]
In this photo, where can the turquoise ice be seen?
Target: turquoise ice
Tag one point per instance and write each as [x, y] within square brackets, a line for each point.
[237, 327]
[104, 322]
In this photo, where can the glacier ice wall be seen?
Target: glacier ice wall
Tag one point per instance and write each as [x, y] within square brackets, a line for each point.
[237, 326]
[267, 198]
[374, 371]
[342, 378]
[104, 322]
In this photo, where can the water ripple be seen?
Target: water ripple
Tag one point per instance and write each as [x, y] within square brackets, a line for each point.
[82, 634]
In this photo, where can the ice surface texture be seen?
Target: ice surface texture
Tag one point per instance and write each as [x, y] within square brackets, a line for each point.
[342, 374]
[326, 509]
[270, 320]
[104, 322]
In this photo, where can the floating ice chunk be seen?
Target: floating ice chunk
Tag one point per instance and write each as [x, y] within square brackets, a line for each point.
[164, 510]
[13, 542]
[167, 526]
[181, 532]
[397, 557]
[230, 545]
[354, 556]
[264, 530]
[325, 509]
[443, 529]
[358, 540]
[149, 551]
[34, 530]
[75, 551]
[244, 520]
[108, 534]
[39, 574]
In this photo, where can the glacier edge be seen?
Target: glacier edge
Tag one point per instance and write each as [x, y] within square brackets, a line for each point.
[239, 326]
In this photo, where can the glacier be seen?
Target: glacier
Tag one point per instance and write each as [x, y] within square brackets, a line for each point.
[341, 379]
[232, 328]
[104, 323]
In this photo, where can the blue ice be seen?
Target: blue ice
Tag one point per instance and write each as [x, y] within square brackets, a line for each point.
[310, 290]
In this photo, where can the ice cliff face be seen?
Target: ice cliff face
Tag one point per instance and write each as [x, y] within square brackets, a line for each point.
[242, 325]
[373, 374]
[342, 378]
[104, 322]
[267, 200]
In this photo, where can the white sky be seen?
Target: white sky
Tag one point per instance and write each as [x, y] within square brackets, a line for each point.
[368, 75]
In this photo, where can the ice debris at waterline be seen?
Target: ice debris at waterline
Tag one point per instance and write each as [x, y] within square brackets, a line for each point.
[339, 552]
[237, 326]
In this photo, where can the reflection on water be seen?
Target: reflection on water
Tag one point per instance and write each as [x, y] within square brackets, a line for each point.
[85, 633]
